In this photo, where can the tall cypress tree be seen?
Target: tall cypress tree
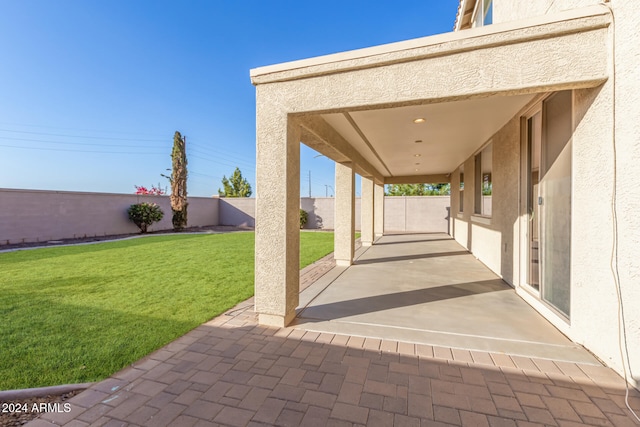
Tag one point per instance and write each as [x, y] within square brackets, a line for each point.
[178, 181]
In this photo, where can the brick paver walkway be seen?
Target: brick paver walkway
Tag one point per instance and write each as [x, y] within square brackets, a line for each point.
[232, 372]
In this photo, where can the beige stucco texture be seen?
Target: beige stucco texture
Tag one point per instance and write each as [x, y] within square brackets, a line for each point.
[368, 212]
[277, 217]
[344, 243]
[533, 49]
[378, 207]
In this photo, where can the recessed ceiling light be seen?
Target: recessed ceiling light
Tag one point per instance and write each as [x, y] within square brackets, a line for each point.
[417, 155]
[416, 170]
[419, 120]
[418, 141]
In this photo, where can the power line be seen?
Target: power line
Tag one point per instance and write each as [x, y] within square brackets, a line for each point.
[213, 151]
[204, 174]
[74, 129]
[221, 162]
[81, 151]
[44, 141]
[225, 157]
[82, 136]
[205, 150]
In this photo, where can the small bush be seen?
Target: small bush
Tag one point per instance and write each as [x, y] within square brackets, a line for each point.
[144, 214]
[304, 217]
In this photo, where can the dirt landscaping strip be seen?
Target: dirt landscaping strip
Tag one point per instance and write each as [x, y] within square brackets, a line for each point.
[18, 407]
[95, 239]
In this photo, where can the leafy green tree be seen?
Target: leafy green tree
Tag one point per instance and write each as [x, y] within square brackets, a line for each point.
[418, 189]
[235, 186]
[178, 180]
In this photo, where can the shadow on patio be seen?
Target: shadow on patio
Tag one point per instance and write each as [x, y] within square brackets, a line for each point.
[233, 372]
[427, 289]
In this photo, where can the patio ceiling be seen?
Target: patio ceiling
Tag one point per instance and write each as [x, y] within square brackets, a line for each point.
[358, 107]
[452, 131]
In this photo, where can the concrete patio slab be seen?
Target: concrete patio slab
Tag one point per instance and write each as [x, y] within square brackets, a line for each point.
[427, 289]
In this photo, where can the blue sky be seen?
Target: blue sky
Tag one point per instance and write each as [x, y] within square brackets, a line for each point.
[91, 92]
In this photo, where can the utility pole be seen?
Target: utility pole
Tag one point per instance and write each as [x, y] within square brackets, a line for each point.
[326, 190]
[309, 184]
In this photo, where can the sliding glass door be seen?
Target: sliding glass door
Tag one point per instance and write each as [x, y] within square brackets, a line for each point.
[548, 204]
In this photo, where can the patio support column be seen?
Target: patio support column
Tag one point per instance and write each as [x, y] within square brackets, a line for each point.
[367, 212]
[378, 216]
[345, 212]
[277, 238]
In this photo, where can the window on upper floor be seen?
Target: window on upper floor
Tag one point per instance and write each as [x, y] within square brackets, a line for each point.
[483, 14]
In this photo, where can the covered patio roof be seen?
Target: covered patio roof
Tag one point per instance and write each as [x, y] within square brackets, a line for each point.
[359, 106]
[359, 109]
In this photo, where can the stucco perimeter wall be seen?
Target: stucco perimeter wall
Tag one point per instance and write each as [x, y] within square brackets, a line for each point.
[36, 216]
[237, 211]
[401, 214]
[416, 213]
[419, 214]
[33, 215]
[321, 213]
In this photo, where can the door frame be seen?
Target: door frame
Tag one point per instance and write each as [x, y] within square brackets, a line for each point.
[530, 294]
[524, 194]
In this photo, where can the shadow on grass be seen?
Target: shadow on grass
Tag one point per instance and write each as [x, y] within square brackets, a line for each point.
[25, 255]
[64, 343]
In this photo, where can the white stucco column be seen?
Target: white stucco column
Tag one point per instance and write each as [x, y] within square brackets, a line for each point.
[366, 212]
[345, 212]
[378, 208]
[277, 242]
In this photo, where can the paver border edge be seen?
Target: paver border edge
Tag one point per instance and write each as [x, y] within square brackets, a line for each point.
[27, 393]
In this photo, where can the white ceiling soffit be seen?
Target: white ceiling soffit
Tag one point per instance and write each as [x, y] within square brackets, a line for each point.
[451, 133]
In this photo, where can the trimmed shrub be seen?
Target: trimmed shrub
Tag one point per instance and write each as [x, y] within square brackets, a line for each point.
[304, 217]
[144, 214]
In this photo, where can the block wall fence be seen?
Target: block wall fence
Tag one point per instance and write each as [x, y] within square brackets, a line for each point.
[38, 215]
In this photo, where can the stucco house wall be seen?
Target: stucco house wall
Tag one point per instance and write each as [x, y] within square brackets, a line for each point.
[492, 239]
[605, 199]
[495, 240]
[505, 11]
[626, 98]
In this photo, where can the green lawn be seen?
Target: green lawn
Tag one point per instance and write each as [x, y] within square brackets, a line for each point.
[80, 313]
